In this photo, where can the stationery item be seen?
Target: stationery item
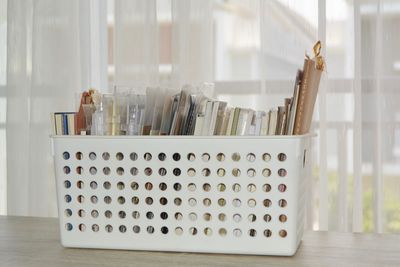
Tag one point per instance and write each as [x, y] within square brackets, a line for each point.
[230, 122]
[235, 121]
[220, 117]
[86, 98]
[258, 116]
[288, 103]
[166, 118]
[294, 101]
[273, 119]
[280, 120]
[136, 111]
[115, 116]
[200, 116]
[53, 124]
[97, 116]
[225, 121]
[151, 94]
[71, 123]
[207, 118]
[312, 71]
[157, 113]
[264, 124]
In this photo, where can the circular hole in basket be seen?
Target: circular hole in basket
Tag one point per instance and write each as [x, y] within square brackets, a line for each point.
[281, 156]
[282, 203]
[236, 172]
[222, 217]
[94, 199]
[148, 186]
[120, 185]
[67, 184]
[221, 172]
[147, 156]
[178, 216]
[92, 156]
[252, 232]
[266, 157]
[122, 228]
[134, 186]
[119, 156]
[221, 187]
[68, 227]
[178, 231]
[207, 202]
[192, 202]
[65, 155]
[67, 198]
[135, 215]
[134, 171]
[78, 155]
[109, 228]
[80, 199]
[149, 215]
[237, 217]
[93, 185]
[191, 172]
[282, 218]
[133, 156]
[106, 170]
[282, 188]
[163, 201]
[66, 169]
[192, 216]
[251, 203]
[282, 172]
[208, 231]
[149, 200]
[79, 170]
[251, 172]
[163, 186]
[236, 202]
[282, 233]
[251, 157]
[251, 188]
[266, 172]
[236, 187]
[164, 215]
[191, 187]
[108, 214]
[107, 199]
[221, 202]
[177, 201]
[252, 217]
[206, 172]
[164, 230]
[206, 187]
[267, 218]
[192, 231]
[95, 228]
[267, 233]
[220, 156]
[93, 170]
[136, 229]
[162, 156]
[80, 184]
[205, 157]
[106, 156]
[237, 232]
[235, 156]
[94, 213]
[107, 185]
[266, 187]
[267, 203]
[135, 200]
[68, 213]
[120, 171]
[176, 157]
[162, 171]
[148, 171]
[207, 217]
[82, 227]
[191, 157]
[222, 232]
[177, 186]
[121, 200]
[176, 171]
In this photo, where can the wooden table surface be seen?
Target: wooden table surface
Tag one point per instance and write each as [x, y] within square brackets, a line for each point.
[30, 241]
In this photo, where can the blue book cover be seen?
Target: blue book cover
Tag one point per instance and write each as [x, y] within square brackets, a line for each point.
[65, 124]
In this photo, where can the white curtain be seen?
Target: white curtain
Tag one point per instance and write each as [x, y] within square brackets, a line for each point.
[251, 49]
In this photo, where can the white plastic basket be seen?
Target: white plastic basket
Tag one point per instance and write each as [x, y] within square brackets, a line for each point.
[242, 195]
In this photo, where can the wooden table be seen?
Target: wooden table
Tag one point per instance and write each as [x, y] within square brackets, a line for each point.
[29, 241]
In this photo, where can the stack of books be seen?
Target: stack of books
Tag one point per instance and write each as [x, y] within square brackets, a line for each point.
[190, 112]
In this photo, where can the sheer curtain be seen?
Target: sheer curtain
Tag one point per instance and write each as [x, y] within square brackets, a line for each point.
[251, 50]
